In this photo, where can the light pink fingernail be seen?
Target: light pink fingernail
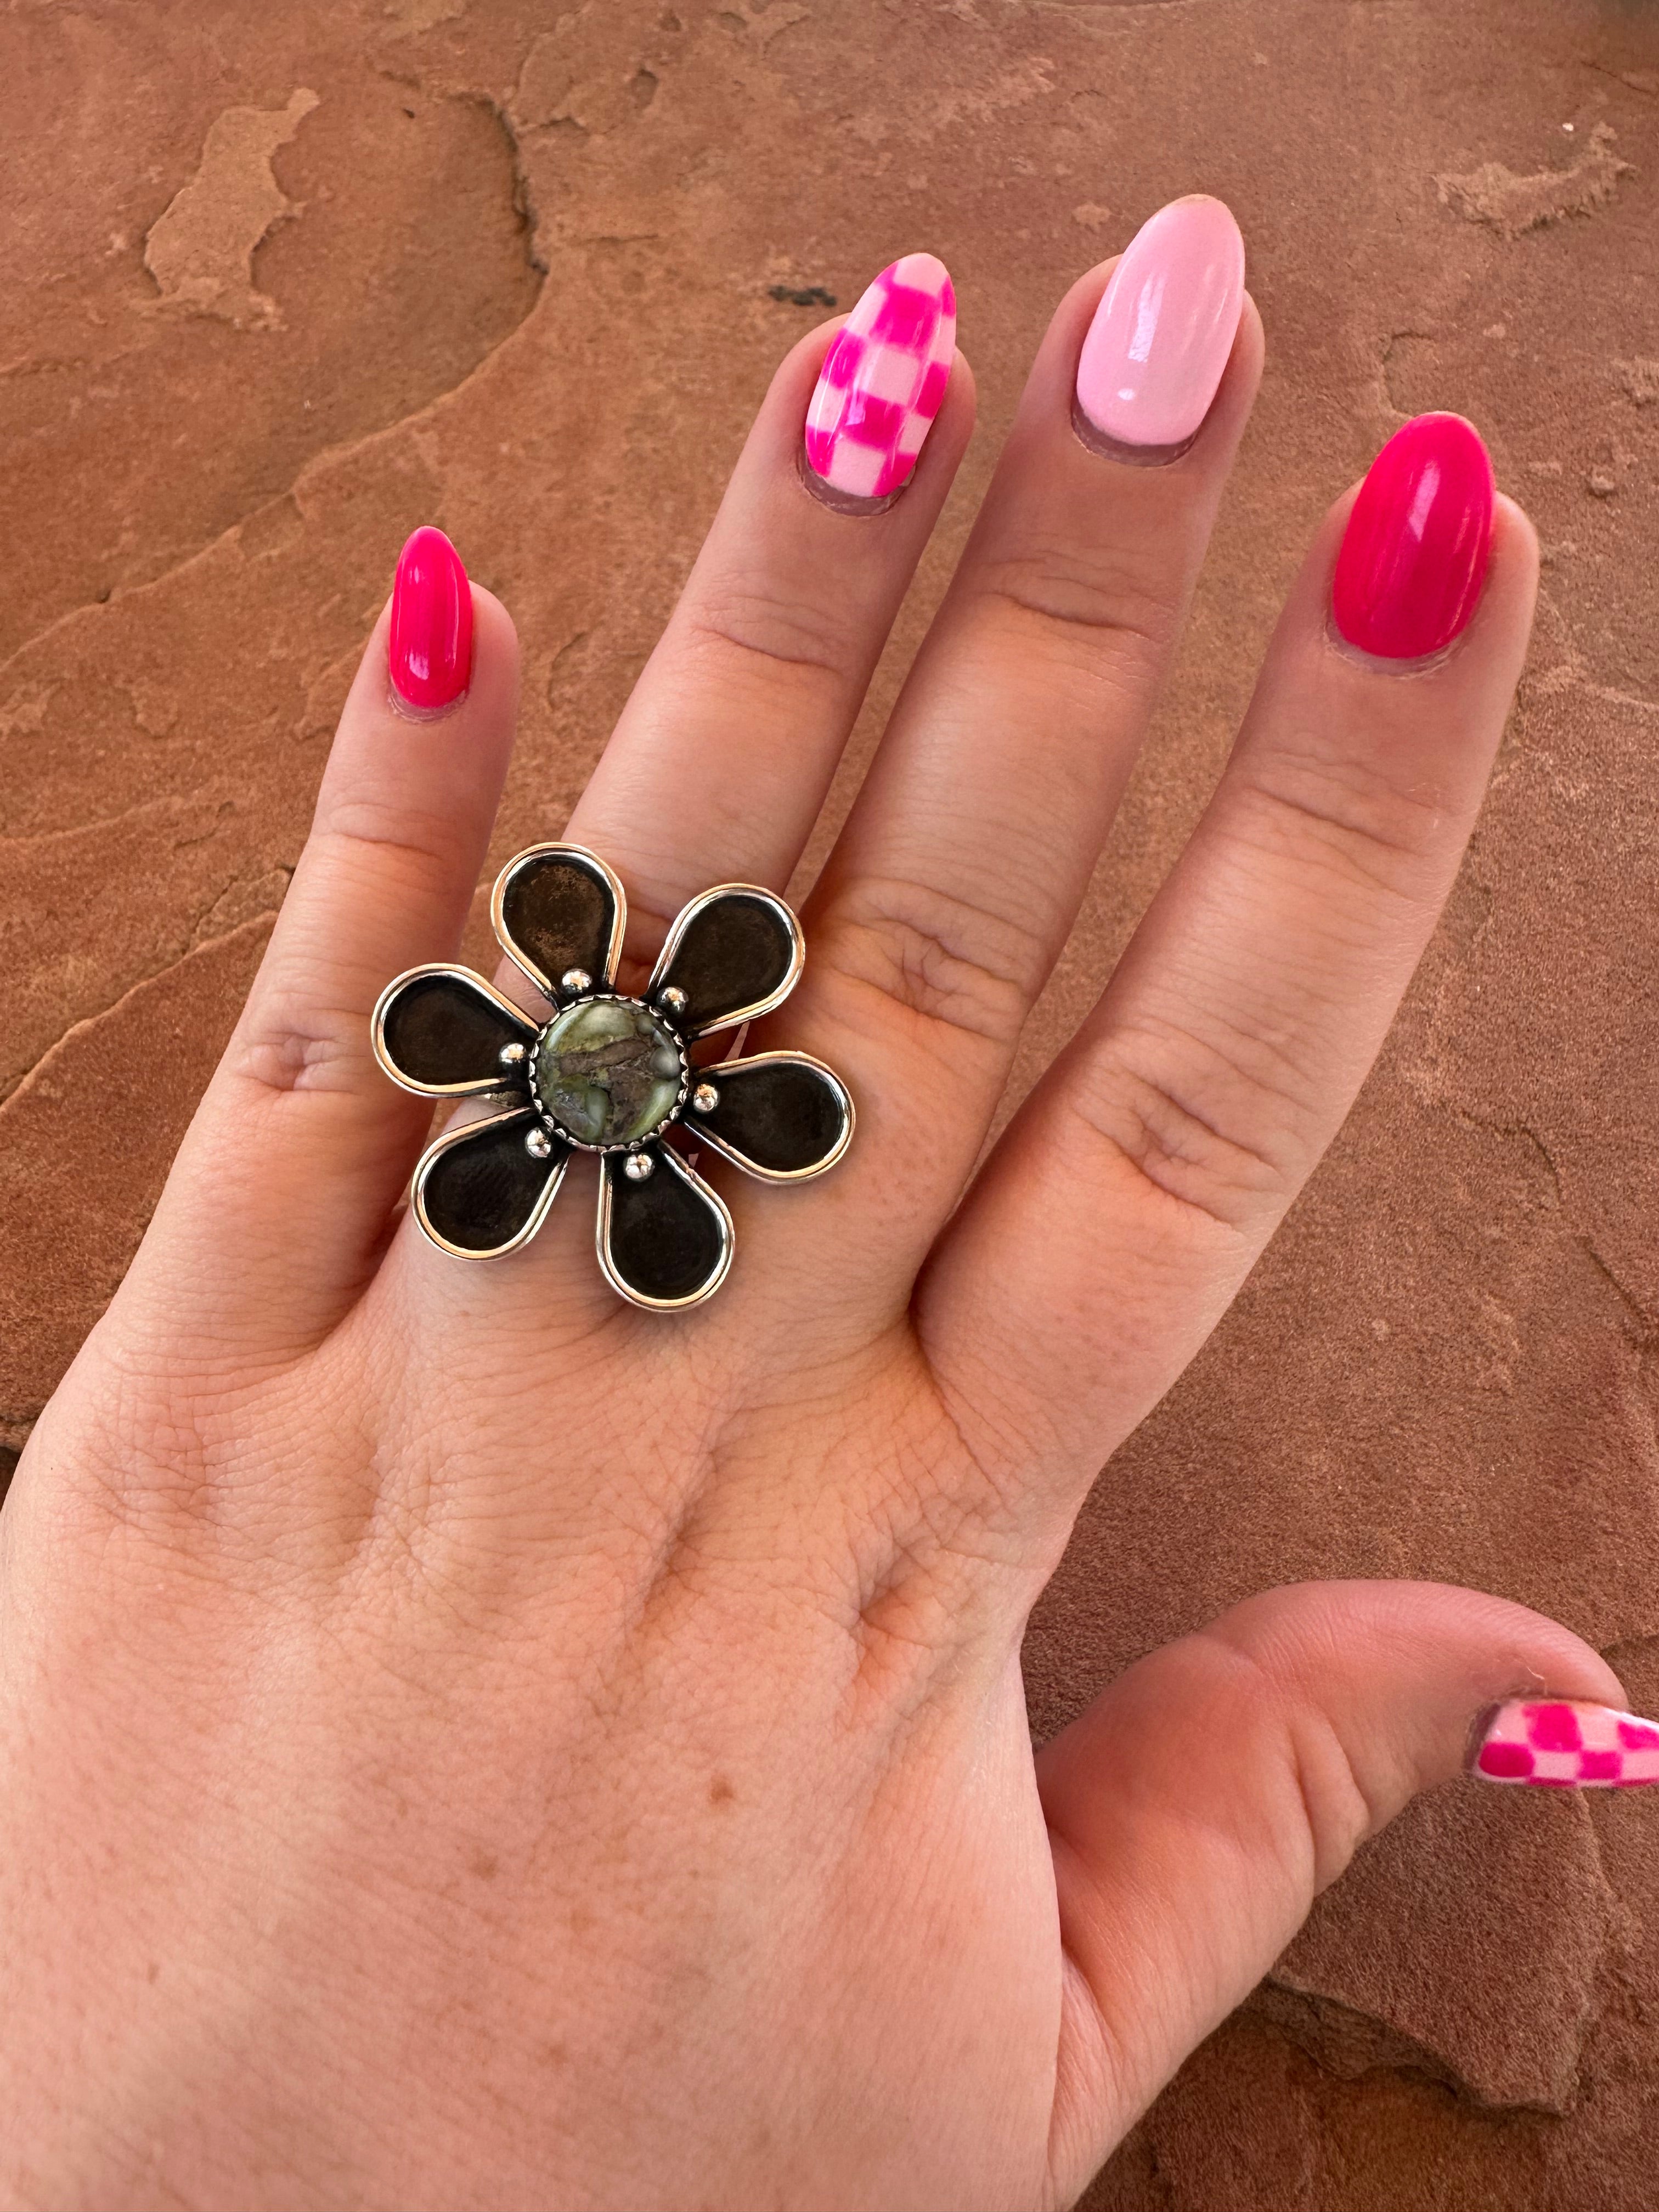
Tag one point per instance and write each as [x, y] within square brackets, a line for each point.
[883, 379]
[1162, 334]
[1558, 1743]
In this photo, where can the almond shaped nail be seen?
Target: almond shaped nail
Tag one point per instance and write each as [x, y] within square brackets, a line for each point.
[1560, 1743]
[1413, 556]
[430, 647]
[1164, 330]
[883, 379]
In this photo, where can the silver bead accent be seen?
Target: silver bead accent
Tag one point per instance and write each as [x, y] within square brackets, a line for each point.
[574, 981]
[538, 1144]
[639, 1167]
[705, 1098]
[514, 1055]
[673, 999]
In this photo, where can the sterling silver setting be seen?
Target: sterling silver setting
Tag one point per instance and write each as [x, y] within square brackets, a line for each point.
[615, 1082]
[588, 996]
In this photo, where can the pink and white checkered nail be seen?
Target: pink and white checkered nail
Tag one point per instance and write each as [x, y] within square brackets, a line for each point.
[883, 379]
[1557, 1744]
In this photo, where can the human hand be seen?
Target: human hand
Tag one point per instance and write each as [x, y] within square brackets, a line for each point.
[468, 1741]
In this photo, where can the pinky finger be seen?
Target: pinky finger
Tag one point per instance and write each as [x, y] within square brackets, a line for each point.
[276, 1208]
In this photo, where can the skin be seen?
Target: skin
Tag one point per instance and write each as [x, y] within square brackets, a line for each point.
[468, 1742]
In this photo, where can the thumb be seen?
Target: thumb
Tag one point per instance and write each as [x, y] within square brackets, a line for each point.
[1202, 1802]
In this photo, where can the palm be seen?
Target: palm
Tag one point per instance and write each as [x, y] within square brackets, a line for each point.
[547, 1738]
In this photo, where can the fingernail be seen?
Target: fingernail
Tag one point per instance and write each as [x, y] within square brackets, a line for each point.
[1557, 1743]
[1165, 327]
[883, 381]
[431, 647]
[1413, 556]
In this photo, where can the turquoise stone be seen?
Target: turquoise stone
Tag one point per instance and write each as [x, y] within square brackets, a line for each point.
[608, 1071]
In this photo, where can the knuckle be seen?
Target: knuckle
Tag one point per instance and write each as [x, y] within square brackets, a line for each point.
[144, 1463]
[378, 836]
[1318, 1803]
[765, 630]
[1097, 606]
[288, 1041]
[951, 965]
[1378, 831]
[1212, 1127]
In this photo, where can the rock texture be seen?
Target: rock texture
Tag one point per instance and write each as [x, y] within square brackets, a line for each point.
[280, 284]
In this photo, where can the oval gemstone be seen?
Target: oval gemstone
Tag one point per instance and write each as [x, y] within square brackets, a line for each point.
[608, 1071]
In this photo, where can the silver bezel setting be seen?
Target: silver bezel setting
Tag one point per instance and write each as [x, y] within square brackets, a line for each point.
[669, 1158]
[707, 1135]
[739, 1015]
[457, 1135]
[480, 1086]
[581, 858]
[538, 1106]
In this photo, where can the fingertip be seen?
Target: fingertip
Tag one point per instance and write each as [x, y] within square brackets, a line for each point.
[1204, 395]
[884, 382]
[779, 442]
[1528, 1651]
[795, 375]
[1241, 379]
[386, 744]
[1250, 340]
[1404, 1669]
[495, 650]
[429, 644]
[1516, 555]
[1373, 614]
[954, 423]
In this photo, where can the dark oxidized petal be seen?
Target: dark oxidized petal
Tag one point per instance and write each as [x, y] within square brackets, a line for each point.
[735, 952]
[558, 907]
[479, 1192]
[781, 1114]
[665, 1241]
[439, 1030]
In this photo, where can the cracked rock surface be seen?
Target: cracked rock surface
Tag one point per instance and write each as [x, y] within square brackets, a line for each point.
[282, 283]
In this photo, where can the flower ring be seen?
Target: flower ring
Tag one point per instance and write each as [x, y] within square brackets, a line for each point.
[610, 1074]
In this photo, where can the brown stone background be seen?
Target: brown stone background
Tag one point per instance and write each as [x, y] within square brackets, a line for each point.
[280, 282]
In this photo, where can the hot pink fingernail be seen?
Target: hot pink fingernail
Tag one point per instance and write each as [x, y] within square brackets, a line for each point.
[1165, 327]
[431, 647]
[883, 379]
[1559, 1743]
[1414, 558]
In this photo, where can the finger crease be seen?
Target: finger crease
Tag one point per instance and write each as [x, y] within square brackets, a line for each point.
[1149, 632]
[939, 957]
[402, 847]
[1361, 825]
[1178, 1151]
[305, 1054]
[709, 630]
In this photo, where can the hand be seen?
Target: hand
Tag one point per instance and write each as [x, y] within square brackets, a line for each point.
[469, 1741]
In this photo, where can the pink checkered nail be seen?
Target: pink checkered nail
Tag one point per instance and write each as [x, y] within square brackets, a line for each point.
[883, 381]
[1556, 1744]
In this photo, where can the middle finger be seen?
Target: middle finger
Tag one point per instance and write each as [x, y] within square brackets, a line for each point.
[960, 871]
